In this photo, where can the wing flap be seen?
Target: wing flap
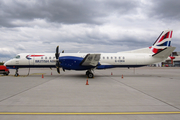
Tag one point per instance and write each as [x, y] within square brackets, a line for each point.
[91, 60]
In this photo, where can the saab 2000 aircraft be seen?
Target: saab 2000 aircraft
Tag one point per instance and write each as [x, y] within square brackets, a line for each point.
[160, 50]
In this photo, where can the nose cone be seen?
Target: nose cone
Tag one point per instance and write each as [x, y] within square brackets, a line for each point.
[7, 63]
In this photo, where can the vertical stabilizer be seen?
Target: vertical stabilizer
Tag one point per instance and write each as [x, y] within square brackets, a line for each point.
[162, 42]
[162, 46]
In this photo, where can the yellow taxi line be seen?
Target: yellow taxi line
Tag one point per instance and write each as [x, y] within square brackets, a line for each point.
[88, 113]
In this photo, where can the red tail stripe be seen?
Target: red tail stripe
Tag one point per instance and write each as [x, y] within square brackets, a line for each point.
[171, 34]
[155, 50]
[164, 37]
[161, 39]
[167, 35]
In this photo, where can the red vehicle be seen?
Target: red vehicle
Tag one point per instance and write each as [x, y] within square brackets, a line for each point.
[4, 70]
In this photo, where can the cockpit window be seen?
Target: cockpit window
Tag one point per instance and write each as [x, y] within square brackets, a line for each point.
[17, 57]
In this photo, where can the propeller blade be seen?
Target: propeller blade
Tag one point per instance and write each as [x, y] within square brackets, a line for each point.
[57, 59]
[57, 49]
[57, 66]
[58, 70]
[57, 53]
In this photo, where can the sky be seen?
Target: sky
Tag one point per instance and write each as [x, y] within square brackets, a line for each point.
[86, 26]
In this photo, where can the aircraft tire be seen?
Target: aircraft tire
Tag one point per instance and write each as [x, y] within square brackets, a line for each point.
[90, 75]
[87, 73]
[16, 74]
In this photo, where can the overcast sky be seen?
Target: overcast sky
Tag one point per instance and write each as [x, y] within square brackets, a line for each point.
[34, 26]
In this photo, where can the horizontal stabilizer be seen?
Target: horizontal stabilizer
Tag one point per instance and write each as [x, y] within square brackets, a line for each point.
[91, 60]
[164, 53]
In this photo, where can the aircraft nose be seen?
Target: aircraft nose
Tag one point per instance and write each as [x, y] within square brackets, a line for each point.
[7, 63]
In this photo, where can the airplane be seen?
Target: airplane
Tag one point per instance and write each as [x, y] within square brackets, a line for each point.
[158, 52]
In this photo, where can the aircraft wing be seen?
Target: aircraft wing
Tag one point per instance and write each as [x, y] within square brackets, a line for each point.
[91, 60]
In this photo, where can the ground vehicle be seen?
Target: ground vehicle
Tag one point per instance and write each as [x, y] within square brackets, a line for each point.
[4, 70]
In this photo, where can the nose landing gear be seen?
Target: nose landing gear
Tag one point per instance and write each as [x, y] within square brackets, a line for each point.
[16, 73]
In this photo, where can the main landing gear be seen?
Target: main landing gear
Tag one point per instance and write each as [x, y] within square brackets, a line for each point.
[16, 73]
[89, 74]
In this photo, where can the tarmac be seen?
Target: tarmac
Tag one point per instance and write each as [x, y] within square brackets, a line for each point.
[146, 93]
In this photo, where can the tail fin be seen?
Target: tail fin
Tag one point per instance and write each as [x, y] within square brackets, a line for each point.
[162, 42]
[162, 46]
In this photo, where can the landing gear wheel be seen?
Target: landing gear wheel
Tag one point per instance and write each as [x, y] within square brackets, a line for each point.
[87, 73]
[90, 75]
[16, 74]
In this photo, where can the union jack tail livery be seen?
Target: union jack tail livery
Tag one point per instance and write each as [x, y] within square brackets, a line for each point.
[162, 42]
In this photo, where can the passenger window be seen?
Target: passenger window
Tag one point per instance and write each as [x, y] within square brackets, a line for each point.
[49, 57]
[45, 57]
[103, 57]
[115, 57]
[41, 57]
[107, 57]
[119, 57]
[54, 57]
[111, 57]
[123, 57]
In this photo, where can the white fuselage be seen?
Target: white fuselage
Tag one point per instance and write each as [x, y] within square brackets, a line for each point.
[106, 59]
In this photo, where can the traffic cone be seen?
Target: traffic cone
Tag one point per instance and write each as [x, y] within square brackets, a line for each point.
[122, 76]
[42, 76]
[111, 73]
[87, 82]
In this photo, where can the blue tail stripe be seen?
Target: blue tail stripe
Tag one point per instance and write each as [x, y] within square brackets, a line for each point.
[167, 43]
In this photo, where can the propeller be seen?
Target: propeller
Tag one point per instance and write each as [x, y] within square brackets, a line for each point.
[57, 59]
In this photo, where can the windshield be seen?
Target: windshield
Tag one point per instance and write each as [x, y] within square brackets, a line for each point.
[17, 57]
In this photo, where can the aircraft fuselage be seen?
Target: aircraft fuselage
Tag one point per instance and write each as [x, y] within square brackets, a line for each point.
[107, 60]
